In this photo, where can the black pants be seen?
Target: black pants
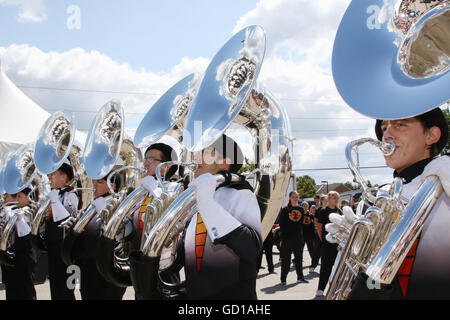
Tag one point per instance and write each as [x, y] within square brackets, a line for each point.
[329, 253]
[289, 246]
[94, 286]
[311, 244]
[18, 280]
[267, 250]
[57, 273]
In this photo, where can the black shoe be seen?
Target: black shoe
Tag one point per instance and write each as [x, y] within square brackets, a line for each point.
[302, 280]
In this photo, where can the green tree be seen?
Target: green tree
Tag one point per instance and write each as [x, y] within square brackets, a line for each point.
[306, 187]
[351, 186]
[247, 166]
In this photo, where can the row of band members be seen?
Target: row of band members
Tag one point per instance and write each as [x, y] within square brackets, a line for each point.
[220, 246]
[229, 216]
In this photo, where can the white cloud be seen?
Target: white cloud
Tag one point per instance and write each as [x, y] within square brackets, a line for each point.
[297, 68]
[300, 37]
[31, 10]
[302, 25]
[78, 69]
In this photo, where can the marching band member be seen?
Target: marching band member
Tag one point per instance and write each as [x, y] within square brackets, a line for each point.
[63, 204]
[18, 279]
[222, 241]
[93, 286]
[328, 250]
[290, 219]
[424, 273]
[155, 154]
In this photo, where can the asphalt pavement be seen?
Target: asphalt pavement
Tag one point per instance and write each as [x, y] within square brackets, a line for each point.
[268, 285]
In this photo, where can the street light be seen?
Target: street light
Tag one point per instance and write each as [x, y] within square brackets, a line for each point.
[324, 181]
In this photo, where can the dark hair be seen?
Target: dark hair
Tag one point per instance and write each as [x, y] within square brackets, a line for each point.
[436, 118]
[116, 179]
[26, 191]
[428, 119]
[168, 154]
[34, 195]
[65, 168]
[228, 148]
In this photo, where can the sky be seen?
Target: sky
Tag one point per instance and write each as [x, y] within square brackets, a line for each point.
[77, 55]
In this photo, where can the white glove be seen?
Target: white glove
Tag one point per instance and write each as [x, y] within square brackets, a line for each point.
[54, 195]
[99, 204]
[149, 183]
[205, 187]
[339, 224]
[8, 212]
[59, 212]
[218, 221]
[439, 167]
[21, 226]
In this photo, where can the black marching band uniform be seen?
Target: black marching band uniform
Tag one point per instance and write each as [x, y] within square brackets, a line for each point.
[309, 235]
[290, 219]
[425, 271]
[221, 244]
[328, 250]
[93, 285]
[61, 209]
[18, 278]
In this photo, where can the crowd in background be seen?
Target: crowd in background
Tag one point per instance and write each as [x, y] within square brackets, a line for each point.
[299, 224]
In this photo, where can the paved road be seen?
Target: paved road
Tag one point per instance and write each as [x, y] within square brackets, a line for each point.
[268, 285]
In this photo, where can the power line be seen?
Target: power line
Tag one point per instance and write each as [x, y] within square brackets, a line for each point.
[329, 118]
[329, 130]
[152, 93]
[327, 169]
[88, 90]
[291, 118]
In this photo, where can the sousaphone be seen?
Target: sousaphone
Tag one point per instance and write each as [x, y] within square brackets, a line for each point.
[107, 149]
[54, 146]
[390, 61]
[229, 93]
[165, 118]
[18, 173]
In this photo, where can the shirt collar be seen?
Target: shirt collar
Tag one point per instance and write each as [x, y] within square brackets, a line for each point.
[412, 171]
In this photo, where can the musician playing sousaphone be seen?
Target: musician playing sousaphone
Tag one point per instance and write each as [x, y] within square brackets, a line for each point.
[424, 272]
[155, 154]
[18, 278]
[222, 241]
[404, 104]
[93, 286]
[64, 202]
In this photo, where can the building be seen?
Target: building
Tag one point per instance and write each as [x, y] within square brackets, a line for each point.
[325, 188]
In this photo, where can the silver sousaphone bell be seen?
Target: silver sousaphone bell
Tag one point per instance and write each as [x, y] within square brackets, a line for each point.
[20, 169]
[107, 149]
[231, 94]
[228, 94]
[390, 61]
[391, 58]
[165, 118]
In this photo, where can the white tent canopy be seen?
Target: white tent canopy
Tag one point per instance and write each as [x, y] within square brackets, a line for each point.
[20, 117]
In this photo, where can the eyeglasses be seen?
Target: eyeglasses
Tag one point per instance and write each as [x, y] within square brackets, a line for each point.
[151, 159]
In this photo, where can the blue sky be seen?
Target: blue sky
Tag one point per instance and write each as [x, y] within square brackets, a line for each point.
[150, 35]
[123, 49]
